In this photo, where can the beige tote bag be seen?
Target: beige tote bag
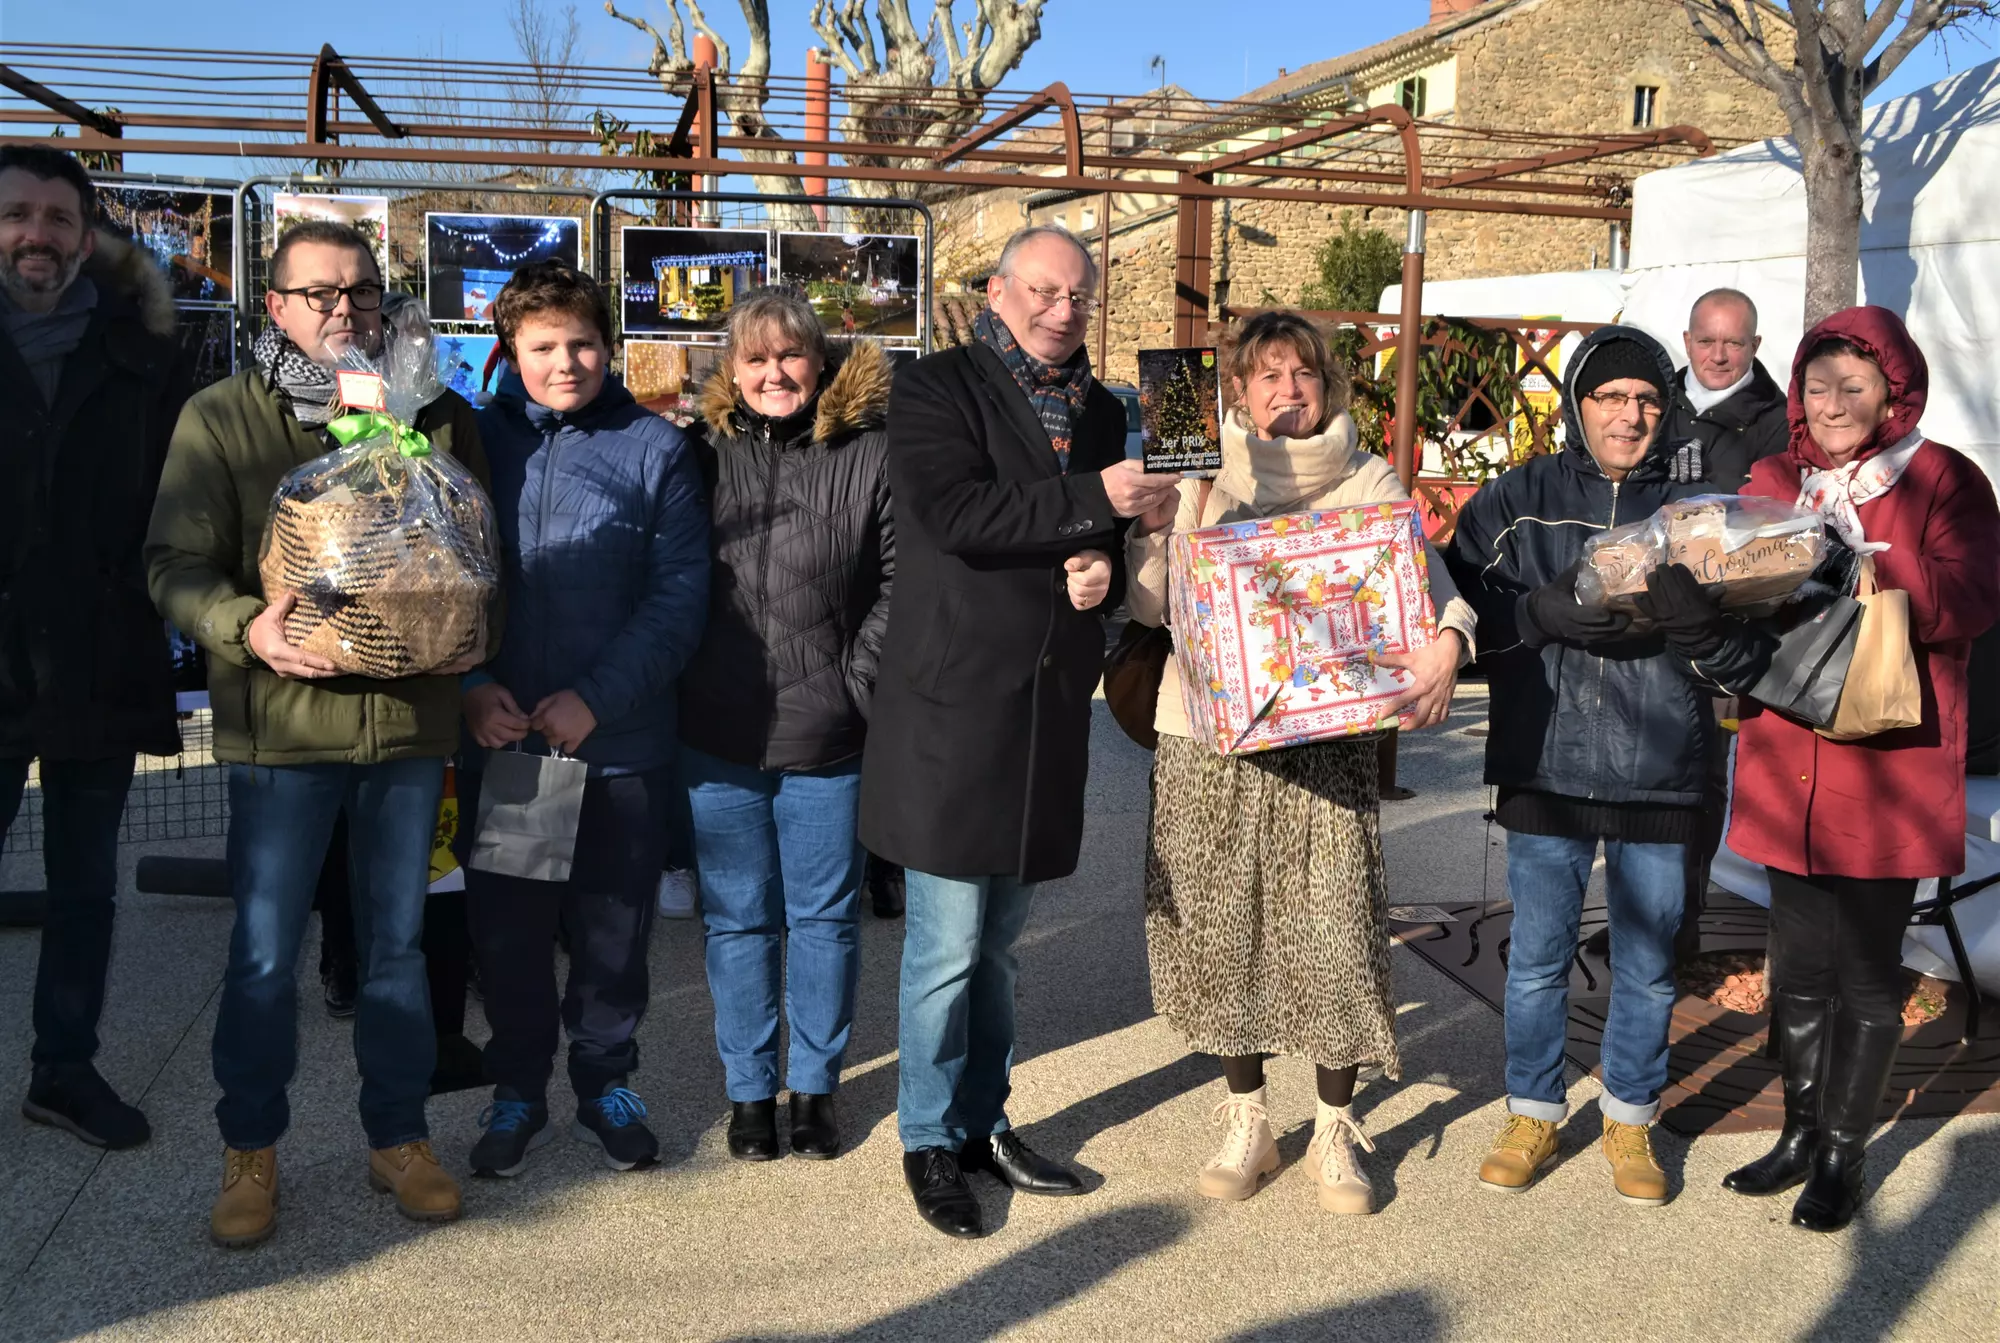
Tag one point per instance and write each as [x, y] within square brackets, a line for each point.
[1882, 691]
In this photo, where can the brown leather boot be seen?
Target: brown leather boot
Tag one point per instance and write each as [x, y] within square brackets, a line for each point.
[246, 1211]
[424, 1193]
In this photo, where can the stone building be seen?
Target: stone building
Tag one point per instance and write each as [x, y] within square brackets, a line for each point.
[1599, 67]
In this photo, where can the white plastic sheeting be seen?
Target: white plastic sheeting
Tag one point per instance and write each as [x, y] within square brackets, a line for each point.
[1930, 245]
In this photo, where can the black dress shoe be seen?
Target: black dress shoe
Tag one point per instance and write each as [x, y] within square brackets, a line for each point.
[1009, 1160]
[460, 1066]
[943, 1198]
[753, 1130]
[815, 1130]
[339, 985]
[885, 888]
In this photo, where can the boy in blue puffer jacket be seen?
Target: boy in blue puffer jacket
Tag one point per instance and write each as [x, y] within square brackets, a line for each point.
[604, 542]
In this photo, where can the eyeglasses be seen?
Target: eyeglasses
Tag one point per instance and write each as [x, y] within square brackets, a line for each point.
[325, 297]
[1081, 304]
[1615, 402]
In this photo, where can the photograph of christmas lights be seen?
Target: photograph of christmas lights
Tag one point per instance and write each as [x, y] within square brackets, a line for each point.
[188, 233]
[468, 259]
[468, 365]
[860, 284]
[665, 376]
[683, 281]
[368, 214]
[1180, 410]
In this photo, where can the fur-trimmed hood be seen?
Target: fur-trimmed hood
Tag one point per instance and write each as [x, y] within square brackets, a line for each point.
[854, 395]
[120, 268]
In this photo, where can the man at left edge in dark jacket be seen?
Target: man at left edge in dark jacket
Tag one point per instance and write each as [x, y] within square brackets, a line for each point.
[1006, 462]
[1601, 734]
[92, 380]
[604, 548]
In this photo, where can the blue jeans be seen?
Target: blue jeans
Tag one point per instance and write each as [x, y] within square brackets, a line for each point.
[957, 1031]
[82, 804]
[1644, 884]
[280, 819]
[780, 870]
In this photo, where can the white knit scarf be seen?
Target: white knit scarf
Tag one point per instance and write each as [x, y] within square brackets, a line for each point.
[1837, 493]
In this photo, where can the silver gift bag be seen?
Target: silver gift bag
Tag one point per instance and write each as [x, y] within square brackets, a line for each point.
[529, 807]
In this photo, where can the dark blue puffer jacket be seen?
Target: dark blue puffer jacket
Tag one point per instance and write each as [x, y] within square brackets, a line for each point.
[1625, 722]
[604, 540]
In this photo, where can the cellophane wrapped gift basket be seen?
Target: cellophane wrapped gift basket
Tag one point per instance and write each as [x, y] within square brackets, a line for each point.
[1277, 623]
[1759, 550]
[389, 545]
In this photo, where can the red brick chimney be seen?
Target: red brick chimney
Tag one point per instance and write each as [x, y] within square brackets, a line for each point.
[1444, 9]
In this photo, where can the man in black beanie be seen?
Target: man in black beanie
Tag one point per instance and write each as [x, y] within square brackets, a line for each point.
[1600, 734]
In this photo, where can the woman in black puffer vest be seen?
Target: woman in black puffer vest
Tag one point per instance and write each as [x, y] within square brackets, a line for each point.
[774, 706]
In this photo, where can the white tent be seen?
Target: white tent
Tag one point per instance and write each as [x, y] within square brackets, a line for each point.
[1930, 245]
[1562, 296]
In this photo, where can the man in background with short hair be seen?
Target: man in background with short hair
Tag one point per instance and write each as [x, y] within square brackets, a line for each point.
[303, 743]
[1724, 397]
[92, 380]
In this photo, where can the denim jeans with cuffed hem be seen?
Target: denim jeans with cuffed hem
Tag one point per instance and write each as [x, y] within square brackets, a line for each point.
[1644, 884]
[957, 1032]
[82, 804]
[280, 818]
[780, 868]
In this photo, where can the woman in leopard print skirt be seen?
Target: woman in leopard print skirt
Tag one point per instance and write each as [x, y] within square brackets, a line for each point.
[1266, 901]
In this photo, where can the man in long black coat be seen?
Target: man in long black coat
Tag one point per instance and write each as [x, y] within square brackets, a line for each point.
[1006, 462]
[92, 382]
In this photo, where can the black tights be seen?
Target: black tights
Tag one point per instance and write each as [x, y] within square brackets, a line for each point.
[1842, 938]
[1245, 1073]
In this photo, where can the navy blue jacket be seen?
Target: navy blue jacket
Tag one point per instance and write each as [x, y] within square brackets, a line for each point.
[604, 547]
[1624, 722]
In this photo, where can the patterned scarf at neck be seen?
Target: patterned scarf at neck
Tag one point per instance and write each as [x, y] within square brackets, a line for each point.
[306, 387]
[1836, 494]
[1056, 391]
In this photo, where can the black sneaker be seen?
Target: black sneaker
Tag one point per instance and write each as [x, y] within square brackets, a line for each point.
[612, 1122]
[339, 985]
[514, 1128]
[75, 1098]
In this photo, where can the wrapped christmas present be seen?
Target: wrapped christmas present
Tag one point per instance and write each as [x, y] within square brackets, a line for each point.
[1277, 623]
[1758, 550]
[389, 545]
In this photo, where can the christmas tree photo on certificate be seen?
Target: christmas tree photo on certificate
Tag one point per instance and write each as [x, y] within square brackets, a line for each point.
[1180, 411]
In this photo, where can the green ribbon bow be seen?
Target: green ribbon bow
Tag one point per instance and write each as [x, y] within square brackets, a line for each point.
[352, 429]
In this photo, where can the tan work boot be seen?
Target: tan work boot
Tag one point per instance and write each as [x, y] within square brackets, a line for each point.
[1335, 1167]
[246, 1211]
[1637, 1177]
[1524, 1146]
[423, 1191]
[1249, 1154]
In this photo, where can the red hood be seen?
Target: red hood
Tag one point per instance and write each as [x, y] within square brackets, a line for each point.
[1880, 335]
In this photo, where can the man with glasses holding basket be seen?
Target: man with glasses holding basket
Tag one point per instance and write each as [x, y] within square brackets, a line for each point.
[304, 743]
[1600, 734]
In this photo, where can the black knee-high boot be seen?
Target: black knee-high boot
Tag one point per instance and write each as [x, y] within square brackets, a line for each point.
[1799, 1027]
[1861, 1053]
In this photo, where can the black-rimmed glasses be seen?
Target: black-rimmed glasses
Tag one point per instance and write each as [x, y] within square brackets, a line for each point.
[1615, 402]
[365, 297]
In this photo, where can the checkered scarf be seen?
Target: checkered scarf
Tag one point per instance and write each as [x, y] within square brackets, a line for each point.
[1056, 391]
[305, 386]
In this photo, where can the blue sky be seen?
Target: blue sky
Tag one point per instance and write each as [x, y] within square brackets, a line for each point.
[1097, 46]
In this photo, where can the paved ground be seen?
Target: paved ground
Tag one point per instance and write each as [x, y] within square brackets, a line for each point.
[703, 1248]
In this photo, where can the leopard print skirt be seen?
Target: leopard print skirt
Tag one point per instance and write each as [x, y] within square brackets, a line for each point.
[1267, 905]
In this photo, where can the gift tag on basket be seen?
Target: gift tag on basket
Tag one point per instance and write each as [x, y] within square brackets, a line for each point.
[529, 809]
[359, 390]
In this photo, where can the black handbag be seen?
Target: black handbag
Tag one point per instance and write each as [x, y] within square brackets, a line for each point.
[1816, 631]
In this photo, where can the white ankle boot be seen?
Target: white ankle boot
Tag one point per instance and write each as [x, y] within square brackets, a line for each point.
[1249, 1154]
[1334, 1163]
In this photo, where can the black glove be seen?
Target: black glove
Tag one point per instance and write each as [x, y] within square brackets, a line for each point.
[1685, 612]
[1552, 614]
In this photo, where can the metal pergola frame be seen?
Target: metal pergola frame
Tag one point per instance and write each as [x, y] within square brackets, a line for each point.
[1381, 163]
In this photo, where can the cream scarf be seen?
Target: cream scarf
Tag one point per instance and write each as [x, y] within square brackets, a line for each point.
[1283, 475]
[1702, 399]
[1837, 493]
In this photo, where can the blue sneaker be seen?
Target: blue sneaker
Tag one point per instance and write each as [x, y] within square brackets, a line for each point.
[514, 1128]
[612, 1121]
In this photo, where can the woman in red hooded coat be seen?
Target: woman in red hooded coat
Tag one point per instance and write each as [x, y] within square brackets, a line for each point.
[1847, 829]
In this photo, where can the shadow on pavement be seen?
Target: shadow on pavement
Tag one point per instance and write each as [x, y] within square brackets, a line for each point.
[1396, 1317]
